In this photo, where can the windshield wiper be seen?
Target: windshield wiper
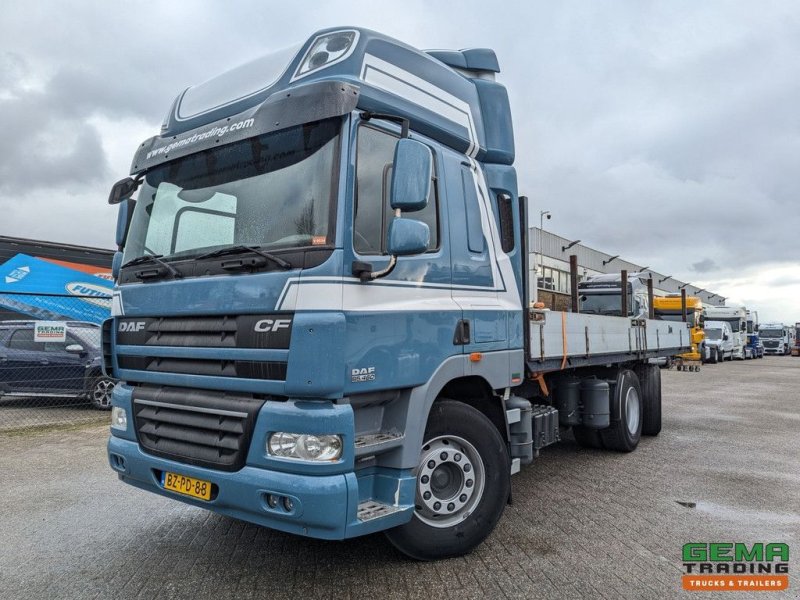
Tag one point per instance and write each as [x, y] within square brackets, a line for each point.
[156, 258]
[242, 249]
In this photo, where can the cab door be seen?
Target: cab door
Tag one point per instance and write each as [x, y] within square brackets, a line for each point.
[476, 277]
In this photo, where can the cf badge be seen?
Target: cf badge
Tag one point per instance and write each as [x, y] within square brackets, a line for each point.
[270, 325]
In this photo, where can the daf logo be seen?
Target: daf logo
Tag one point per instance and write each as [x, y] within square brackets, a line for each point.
[270, 325]
[131, 326]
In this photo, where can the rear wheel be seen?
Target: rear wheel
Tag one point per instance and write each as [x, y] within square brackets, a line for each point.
[650, 384]
[463, 483]
[626, 413]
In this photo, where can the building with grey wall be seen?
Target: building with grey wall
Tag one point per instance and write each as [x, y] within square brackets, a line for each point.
[549, 266]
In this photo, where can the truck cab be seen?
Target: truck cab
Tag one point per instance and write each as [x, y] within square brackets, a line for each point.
[670, 308]
[775, 337]
[600, 295]
[736, 317]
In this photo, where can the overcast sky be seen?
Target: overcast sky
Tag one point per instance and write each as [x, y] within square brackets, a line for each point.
[668, 132]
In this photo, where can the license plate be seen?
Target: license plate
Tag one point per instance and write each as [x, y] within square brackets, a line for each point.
[189, 486]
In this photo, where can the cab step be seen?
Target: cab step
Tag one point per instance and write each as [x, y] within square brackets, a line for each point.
[375, 443]
[369, 510]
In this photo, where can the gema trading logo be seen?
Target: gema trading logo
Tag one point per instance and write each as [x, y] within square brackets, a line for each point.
[734, 566]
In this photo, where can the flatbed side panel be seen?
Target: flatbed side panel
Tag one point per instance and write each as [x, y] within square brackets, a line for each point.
[554, 335]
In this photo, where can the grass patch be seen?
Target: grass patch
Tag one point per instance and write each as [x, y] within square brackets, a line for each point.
[61, 427]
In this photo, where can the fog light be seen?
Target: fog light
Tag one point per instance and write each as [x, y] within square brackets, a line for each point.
[119, 418]
[272, 501]
[288, 504]
[302, 446]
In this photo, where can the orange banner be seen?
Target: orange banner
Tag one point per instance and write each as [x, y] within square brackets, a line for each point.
[735, 583]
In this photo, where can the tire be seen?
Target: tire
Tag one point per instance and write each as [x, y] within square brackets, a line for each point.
[100, 392]
[713, 359]
[650, 384]
[624, 433]
[457, 436]
[587, 438]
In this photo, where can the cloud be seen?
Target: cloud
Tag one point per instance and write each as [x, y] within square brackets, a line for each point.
[704, 266]
[665, 132]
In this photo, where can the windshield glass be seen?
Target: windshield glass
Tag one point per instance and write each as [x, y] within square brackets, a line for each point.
[736, 323]
[771, 333]
[691, 317]
[603, 304]
[274, 190]
[714, 334]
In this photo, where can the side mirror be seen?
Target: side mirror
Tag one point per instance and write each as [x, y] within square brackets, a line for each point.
[124, 217]
[74, 349]
[123, 189]
[724, 336]
[407, 237]
[411, 175]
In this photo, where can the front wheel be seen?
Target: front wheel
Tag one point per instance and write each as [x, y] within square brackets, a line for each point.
[100, 392]
[463, 483]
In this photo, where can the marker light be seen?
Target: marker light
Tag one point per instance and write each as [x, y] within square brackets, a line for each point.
[327, 50]
[302, 446]
[119, 418]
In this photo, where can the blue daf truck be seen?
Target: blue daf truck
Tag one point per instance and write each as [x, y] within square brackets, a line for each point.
[322, 321]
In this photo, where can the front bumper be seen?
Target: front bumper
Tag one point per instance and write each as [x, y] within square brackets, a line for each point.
[325, 497]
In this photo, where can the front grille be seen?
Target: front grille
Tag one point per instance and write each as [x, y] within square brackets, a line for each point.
[770, 344]
[224, 331]
[204, 428]
[247, 369]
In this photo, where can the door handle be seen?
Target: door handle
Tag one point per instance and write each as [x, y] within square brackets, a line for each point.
[44, 362]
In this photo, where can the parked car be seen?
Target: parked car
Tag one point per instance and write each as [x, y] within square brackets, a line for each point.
[719, 340]
[54, 369]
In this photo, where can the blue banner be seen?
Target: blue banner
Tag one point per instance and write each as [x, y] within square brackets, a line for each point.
[45, 290]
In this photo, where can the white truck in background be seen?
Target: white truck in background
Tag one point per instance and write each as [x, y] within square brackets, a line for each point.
[775, 337]
[736, 317]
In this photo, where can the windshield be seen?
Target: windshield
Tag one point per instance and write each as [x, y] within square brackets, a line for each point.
[274, 191]
[771, 333]
[691, 317]
[603, 304]
[736, 323]
[714, 334]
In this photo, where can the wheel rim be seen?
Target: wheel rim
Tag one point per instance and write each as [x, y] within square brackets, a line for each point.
[450, 481]
[101, 394]
[632, 410]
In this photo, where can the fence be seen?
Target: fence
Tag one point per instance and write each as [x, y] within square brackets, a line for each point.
[51, 360]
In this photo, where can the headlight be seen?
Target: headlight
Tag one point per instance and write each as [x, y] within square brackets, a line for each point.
[119, 418]
[304, 446]
[327, 50]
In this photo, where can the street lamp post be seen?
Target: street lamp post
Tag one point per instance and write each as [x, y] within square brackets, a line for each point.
[542, 214]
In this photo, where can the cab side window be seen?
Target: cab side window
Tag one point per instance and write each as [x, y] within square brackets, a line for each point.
[373, 211]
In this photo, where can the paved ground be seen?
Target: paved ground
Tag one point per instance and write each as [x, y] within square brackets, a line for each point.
[583, 524]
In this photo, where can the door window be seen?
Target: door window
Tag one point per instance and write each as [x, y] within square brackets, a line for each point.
[373, 211]
[22, 339]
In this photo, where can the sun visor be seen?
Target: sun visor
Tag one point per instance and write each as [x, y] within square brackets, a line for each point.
[287, 108]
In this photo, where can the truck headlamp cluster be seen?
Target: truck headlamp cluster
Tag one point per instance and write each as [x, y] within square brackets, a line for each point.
[119, 418]
[326, 50]
[305, 446]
